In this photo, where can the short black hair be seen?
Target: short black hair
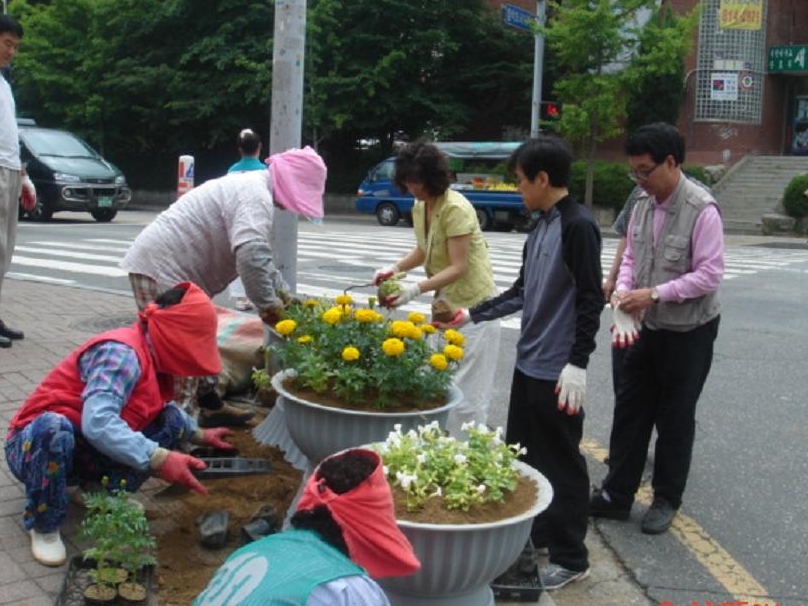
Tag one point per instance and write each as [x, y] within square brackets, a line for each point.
[545, 153]
[658, 140]
[10, 25]
[248, 141]
[422, 162]
[170, 297]
[342, 472]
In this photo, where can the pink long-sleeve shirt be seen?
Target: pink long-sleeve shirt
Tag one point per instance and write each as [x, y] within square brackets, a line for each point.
[707, 261]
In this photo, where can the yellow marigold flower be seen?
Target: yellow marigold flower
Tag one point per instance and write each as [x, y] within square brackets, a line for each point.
[304, 339]
[416, 318]
[332, 316]
[366, 316]
[416, 333]
[428, 329]
[402, 328]
[393, 347]
[438, 361]
[286, 327]
[453, 352]
[311, 303]
[454, 337]
[350, 354]
[343, 299]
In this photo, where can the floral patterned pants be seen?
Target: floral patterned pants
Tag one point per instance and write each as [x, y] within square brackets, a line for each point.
[50, 454]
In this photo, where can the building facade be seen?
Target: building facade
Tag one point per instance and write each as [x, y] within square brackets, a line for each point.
[747, 80]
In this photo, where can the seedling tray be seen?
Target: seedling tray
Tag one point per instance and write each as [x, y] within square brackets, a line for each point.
[518, 588]
[77, 578]
[226, 467]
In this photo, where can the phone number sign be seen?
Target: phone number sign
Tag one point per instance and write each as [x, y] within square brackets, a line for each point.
[788, 58]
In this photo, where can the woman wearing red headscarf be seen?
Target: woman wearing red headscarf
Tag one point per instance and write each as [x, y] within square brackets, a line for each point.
[105, 411]
[343, 535]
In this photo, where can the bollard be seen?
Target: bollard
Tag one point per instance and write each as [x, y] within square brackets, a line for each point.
[185, 175]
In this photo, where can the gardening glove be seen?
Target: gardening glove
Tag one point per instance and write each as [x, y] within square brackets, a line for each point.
[571, 389]
[214, 437]
[289, 299]
[28, 194]
[404, 296]
[385, 272]
[624, 328]
[177, 468]
[273, 313]
[461, 318]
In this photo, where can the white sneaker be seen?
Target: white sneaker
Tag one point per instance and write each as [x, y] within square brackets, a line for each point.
[48, 548]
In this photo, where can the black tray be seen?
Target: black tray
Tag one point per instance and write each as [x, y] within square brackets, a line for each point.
[225, 467]
[77, 578]
[524, 589]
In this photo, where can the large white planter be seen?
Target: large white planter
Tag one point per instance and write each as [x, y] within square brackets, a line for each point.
[319, 431]
[459, 561]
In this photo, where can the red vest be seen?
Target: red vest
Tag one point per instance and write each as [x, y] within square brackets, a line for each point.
[60, 391]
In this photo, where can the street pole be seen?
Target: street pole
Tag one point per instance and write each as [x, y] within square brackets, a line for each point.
[538, 65]
[286, 121]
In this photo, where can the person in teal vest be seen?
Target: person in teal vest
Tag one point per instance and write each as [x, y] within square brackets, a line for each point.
[343, 536]
[105, 414]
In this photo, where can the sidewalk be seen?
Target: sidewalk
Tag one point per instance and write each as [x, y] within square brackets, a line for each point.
[55, 320]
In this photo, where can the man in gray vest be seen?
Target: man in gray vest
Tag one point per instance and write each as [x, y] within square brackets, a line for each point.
[666, 315]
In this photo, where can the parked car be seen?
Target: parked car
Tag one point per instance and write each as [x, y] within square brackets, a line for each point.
[69, 175]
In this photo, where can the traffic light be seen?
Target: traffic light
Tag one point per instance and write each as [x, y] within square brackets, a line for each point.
[550, 111]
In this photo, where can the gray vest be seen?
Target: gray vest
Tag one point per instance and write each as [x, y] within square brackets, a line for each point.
[671, 258]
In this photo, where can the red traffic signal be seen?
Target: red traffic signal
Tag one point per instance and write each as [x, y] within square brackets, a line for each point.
[550, 111]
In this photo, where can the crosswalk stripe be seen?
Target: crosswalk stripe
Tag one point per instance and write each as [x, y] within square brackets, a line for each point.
[83, 268]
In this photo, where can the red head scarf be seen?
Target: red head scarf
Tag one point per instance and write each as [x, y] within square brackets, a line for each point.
[368, 521]
[183, 336]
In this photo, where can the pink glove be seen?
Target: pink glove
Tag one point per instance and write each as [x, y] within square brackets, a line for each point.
[461, 318]
[215, 437]
[176, 468]
[28, 194]
[384, 273]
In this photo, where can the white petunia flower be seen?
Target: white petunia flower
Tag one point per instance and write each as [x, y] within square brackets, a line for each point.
[460, 458]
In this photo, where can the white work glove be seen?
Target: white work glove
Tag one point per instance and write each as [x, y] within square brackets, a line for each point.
[404, 296]
[384, 273]
[624, 329]
[571, 389]
[28, 194]
[461, 318]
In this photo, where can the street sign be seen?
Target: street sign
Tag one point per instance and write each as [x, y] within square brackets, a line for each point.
[517, 17]
[788, 58]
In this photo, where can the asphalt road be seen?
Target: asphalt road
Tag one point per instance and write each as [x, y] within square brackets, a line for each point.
[744, 531]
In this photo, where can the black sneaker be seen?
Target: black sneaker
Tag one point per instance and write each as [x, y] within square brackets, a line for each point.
[599, 507]
[10, 333]
[659, 517]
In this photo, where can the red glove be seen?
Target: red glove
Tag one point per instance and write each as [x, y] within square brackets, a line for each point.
[461, 318]
[28, 194]
[175, 468]
[215, 437]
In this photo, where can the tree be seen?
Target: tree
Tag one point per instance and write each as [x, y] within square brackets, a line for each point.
[593, 43]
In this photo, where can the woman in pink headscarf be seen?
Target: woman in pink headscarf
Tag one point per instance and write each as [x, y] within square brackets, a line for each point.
[221, 230]
[344, 535]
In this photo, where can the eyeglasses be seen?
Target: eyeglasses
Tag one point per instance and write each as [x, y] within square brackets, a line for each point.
[642, 175]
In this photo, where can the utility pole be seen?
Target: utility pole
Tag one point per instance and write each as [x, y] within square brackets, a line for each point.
[538, 64]
[288, 53]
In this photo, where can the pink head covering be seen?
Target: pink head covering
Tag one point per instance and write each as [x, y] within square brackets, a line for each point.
[298, 180]
[368, 521]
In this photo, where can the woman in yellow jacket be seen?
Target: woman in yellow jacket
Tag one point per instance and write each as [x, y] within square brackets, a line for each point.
[451, 247]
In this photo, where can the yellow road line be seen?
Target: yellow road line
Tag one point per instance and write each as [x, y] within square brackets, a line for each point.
[736, 579]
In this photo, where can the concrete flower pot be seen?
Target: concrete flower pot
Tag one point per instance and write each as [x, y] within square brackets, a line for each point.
[459, 561]
[319, 430]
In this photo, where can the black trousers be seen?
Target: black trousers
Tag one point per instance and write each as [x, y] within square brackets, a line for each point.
[658, 385]
[552, 440]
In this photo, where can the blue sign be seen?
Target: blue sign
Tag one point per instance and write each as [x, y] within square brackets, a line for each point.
[517, 17]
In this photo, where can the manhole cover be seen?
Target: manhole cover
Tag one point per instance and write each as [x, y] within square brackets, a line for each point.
[351, 269]
[105, 323]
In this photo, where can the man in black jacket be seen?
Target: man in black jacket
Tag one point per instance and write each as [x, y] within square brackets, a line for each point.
[559, 293]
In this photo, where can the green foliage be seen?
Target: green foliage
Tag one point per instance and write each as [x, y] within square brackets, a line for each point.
[365, 356]
[655, 78]
[611, 185]
[795, 202]
[698, 173]
[427, 464]
[119, 535]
